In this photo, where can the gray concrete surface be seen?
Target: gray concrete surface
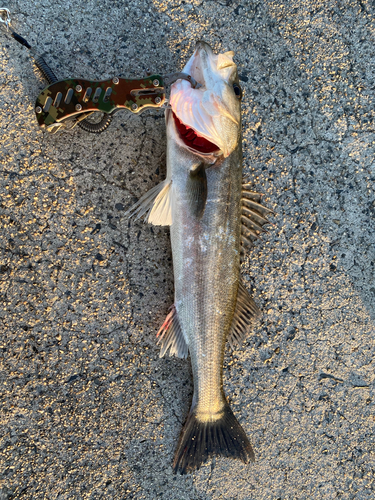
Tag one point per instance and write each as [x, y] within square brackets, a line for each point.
[88, 410]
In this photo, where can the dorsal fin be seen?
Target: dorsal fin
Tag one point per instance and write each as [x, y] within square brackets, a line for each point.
[170, 337]
[253, 216]
[245, 314]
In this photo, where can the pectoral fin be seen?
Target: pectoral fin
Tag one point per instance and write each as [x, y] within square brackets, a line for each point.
[197, 190]
[245, 314]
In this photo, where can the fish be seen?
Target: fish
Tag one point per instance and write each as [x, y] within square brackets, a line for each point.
[212, 216]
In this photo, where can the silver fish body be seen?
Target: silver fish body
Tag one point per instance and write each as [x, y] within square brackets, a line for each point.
[210, 214]
[206, 263]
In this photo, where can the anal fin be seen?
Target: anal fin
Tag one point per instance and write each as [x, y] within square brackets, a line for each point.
[171, 338]
[245, 314]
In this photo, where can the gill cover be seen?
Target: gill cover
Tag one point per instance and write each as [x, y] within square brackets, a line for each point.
[213, 110]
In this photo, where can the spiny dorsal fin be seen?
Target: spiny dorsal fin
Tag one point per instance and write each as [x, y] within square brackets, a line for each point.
[170, 337]
[157, 203]
[253, 216]
[248, 188]
[245, 314]
[253, 200]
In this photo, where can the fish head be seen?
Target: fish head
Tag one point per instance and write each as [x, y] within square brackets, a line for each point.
[208, 118]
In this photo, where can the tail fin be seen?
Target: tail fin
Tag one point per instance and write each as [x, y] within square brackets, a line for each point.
[200, 440]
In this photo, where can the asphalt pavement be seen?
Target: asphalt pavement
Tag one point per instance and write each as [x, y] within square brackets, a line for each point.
[88, 410]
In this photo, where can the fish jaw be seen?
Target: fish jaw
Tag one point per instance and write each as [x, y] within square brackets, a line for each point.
[212, 112]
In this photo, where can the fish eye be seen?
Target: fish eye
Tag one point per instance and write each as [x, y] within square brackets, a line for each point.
[237, 90]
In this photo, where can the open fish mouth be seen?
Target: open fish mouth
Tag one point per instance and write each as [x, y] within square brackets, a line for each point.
[192, 139]
[208, 118]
